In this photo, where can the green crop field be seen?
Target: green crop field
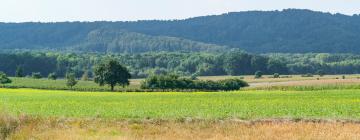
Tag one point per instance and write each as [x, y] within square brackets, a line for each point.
[325, 104]
[60, 84]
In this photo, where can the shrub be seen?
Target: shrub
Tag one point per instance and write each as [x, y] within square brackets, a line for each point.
[70, 80]
[4, 79]
[174, 82]
[276, 75]
[52, 76]
[232, 84]
[258, 74]
[194, 76]
[36, 75]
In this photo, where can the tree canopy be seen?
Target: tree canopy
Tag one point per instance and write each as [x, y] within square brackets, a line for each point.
[111, 73]
[4, 79]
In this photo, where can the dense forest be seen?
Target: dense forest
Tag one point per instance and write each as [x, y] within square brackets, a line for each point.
[234, 62]
[288, 31]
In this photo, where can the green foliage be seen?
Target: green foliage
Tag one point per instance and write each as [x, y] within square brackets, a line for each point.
[258, 74]
[111, 73]
[232, 84]
[235, 62]
[321, 73]
[4, 79]
[174, 82]
[288, 31]
[19, 72]
[194, 76]
[184, 64]
[85, 76]
[70, 80]
[52, 76]
[36, 75]
[276, 75]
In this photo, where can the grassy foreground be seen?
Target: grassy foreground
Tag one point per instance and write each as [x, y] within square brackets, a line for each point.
[197, 130]
[325, 104]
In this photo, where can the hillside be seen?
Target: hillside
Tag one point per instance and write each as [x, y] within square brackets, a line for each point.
[82, 37]
[105, 40]
[288, 31]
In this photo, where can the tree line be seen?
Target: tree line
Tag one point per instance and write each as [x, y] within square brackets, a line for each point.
[234, 62]
[110, 72]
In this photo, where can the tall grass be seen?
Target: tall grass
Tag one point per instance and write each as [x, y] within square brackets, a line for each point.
[8, 124]
[60, 84]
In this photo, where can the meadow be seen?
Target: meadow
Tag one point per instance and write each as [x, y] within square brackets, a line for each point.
[271, 108]
[60, 84]
[248, 105]
[288, 82]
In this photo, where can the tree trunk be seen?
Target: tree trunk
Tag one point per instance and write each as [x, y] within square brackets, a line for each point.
[112, 87]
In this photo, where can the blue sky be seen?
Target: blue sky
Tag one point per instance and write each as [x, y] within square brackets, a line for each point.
[125, 10]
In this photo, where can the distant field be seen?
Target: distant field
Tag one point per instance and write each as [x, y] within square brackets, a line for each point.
[283, 106]
[60, 84]
[268, 78]
[329, 104]
[293, 82]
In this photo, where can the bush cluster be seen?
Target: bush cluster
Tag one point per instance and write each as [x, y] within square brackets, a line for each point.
[4, 79]
[174, 82]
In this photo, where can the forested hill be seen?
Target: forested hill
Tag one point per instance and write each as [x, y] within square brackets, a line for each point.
[93, 37]
[290, 31]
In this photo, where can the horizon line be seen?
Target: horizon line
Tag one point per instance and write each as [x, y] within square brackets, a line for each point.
[180, 19]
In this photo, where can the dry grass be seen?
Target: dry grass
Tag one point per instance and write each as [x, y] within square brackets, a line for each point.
[195, 130]
[267, 78]
[307, 82]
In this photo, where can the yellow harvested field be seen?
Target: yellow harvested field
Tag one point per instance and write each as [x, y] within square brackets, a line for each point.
[307, 82]
[268, 78]
[194, 130]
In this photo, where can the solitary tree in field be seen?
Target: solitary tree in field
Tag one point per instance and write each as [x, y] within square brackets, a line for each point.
[4, 79]
[111, 73]
[19, 72]
[70, 80]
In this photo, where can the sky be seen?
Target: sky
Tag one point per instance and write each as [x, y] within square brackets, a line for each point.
[132, 10]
